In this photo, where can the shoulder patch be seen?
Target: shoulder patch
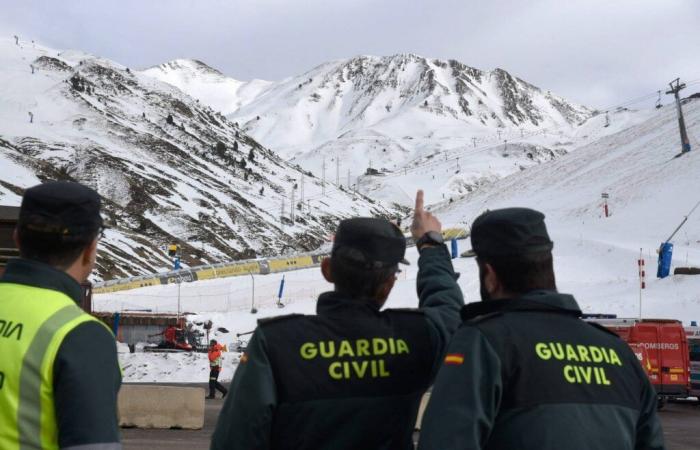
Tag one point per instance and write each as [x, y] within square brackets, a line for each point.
[275, 319]
[602, 328]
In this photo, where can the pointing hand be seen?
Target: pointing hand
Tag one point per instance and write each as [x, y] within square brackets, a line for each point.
[423, 221]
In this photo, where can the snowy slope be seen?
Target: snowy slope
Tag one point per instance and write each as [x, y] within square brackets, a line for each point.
[595, 257]
[224, 94]
[650, 193]
[448, 173]
[199, 181]
[391, 114]
[398, 96]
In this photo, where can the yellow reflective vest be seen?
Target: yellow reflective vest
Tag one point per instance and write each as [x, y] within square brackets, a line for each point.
[33, 324]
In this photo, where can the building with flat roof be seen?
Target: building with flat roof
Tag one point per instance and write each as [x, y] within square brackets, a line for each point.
[8, 220]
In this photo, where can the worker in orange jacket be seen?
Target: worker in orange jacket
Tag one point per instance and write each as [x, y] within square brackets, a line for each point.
[214, 369]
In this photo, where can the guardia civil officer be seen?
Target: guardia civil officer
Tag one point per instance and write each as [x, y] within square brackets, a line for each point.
[352, 376]
[524, 371]
[59, 374]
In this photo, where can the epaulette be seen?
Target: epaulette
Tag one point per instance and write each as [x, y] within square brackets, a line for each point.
[275, 319]
[602, 328]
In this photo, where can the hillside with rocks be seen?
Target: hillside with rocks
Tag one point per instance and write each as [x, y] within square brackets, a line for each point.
[169, 168]
[386, 115]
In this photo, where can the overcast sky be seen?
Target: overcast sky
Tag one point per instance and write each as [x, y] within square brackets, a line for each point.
[597, 52]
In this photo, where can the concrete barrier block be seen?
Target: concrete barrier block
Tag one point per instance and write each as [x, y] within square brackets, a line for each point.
[149, 406]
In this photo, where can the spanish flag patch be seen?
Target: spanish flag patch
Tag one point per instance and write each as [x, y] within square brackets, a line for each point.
[244, 358]
[454, 359]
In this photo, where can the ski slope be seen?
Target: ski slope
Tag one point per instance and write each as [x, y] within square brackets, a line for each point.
[595, 257]
[211, 87]
[168, 168]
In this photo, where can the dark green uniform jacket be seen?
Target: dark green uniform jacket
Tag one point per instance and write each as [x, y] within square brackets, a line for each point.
[86, 374]
[529, 374]
[350, 377]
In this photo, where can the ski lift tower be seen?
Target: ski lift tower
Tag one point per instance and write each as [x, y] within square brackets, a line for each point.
[605, 196]
[675, 89]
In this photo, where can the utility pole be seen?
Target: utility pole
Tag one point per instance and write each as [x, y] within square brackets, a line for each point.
[291, 205]
[499, 134]
[474, 142]
[685, 143]
[323, 177]
[349, 185]
[253, 309]
[282, 211]
[607, 119]
[302, 188]
[337, 171]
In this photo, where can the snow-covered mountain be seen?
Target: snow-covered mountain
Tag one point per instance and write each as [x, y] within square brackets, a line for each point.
[224, 94]
[169, 168]
[398, 96]
[390, 114]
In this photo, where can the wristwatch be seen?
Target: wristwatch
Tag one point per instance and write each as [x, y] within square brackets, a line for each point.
[430, 238]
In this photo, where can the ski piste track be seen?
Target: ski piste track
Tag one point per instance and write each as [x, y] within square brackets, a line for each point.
[262, 266]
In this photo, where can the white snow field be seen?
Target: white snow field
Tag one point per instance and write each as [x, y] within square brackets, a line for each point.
[595, 257]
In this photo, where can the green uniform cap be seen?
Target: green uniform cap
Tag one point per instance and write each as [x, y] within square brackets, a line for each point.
[510, 232]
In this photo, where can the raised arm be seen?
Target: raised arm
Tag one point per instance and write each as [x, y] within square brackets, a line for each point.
[439, 296]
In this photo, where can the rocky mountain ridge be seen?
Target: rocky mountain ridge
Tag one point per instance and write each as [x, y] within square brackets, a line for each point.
[169, 168]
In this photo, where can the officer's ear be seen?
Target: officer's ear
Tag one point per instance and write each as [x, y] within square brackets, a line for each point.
[326, 269]
[89, 255]
[491, 283]
[385, 289]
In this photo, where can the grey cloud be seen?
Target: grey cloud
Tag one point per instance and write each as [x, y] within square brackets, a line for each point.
[595, 52]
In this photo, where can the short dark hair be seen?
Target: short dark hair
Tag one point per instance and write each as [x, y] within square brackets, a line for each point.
[52, 249]
[522, 273]
[357, 281]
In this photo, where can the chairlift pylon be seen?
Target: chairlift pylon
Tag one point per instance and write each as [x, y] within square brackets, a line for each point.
[658, 102]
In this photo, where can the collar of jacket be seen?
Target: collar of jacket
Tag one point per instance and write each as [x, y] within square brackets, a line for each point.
[337, 303]
[539, 300]
[40, 275]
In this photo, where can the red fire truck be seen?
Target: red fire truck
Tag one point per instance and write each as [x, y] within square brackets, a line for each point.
[693, 335]
[662, 348]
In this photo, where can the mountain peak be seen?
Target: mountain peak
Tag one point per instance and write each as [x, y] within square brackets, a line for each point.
[193, 66]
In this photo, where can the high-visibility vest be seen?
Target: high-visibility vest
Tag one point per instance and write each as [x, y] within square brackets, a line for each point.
[214, 355]
[33, 324]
